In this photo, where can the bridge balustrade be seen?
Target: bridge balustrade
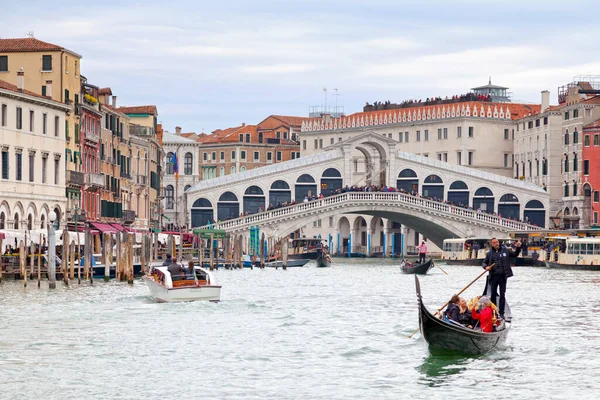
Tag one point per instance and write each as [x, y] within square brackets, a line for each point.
[395, 197]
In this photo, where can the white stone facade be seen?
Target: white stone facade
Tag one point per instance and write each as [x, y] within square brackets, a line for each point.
[32, 169]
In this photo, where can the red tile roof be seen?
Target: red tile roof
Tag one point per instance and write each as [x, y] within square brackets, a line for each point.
[276, 121]
[593, 100]
[151, 110]
[105, 90]
[26, 44]
[8, 86]
[594, 125]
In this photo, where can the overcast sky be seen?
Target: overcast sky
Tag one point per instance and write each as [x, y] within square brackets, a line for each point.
[215, 64]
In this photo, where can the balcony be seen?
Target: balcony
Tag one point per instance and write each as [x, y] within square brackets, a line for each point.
[125, 175]
[140, 180]
[92, 137]
[74, 179]
[141, 130]
[161, 193]
[94, 182]
[128, 216]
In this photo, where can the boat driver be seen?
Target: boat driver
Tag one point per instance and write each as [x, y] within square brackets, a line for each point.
[177, 271]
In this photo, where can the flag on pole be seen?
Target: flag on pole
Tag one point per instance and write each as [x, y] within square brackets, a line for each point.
[175, 165]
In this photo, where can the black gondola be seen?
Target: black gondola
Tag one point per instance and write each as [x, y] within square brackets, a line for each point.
[445, 336]
[323, 261]
[419, 269]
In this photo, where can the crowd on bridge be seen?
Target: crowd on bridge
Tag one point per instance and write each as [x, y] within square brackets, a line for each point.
[429, 101]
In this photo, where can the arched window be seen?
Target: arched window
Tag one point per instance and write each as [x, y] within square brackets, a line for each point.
[228, 206]
[3, 220]
[16, 221]
[43, 222]
[169, 163]
[254, 200]
[30, 222]
[279, 193]
[567, 137]
[535, 214]
[508, 206]
[242, 169]
[260, 137]
[433, 187]
[483, 199]
[305, 187]
[331, 181]
[222, 171]
[458, 193]
[202, 212]
[187, 166]
[575, 136]
[169, 195]
[408, 180]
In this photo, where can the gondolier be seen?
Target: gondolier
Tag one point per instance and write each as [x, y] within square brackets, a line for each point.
[422, 252]
[497, 261]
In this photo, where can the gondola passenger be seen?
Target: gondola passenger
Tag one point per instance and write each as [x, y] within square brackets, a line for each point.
[485, 315]
[464, 314]
[453, 310]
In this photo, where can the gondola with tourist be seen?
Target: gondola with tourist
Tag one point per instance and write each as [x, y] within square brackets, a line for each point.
[442, 335]
[414, 268]
[323, 260]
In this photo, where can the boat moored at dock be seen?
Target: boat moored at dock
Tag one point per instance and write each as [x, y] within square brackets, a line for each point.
[581, 253]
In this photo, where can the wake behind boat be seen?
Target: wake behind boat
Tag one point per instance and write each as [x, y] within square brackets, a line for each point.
[165, 288]
[419, 269]
[443, 335]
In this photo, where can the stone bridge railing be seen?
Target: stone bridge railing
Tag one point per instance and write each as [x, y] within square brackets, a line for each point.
[352, 198]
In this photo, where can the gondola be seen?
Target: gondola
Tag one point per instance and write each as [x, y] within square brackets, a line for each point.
[323, 261]
[442, 336]
[419, 269]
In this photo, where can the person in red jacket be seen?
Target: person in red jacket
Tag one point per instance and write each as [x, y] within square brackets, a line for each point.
[485, 316]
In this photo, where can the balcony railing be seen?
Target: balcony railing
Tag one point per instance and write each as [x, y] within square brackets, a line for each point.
[92, 137]
[140, 180]
[74, 179]
[161, 193]
[94, 181]
[125, 175]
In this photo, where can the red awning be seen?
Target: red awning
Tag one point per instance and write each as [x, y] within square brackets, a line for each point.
[104, 227]
[119, 227]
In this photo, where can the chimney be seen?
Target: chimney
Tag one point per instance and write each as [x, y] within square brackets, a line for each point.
[243, 124]
[545, 100]
[178, 130]
[114, 101]
[20, 79]
[49, 89]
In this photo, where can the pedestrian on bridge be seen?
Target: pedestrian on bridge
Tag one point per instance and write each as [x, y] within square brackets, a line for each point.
[422, 252]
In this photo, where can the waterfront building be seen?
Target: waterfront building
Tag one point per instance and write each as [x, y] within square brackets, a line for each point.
[32, 142]
[52, 71]
[186, 149]
[591, 172]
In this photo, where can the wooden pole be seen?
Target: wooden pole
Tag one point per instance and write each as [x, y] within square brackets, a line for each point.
[1, 259]
[143, 255]
[261, 250]
[155, 241]
[89, 253]
[465, 288]
[107, 255]
[118, 256]
[65, 257]
[201, 253]
[212, 252]
[31, 259]
[180, 258]
[130, 240]
[72, 259]
[39, 269]
[284, 251]
[23, 262]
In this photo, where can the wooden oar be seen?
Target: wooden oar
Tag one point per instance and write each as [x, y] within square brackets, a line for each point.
[440, 268]
[442, 307]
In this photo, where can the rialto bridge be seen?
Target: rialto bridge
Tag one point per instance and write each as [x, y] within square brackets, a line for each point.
[368, 219]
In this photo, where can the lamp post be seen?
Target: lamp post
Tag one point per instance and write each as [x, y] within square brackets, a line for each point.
[52, 250]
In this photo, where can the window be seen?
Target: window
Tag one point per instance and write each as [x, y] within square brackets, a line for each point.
[260, 137]
[596, 196]
[214, 156]
[44, 123]
[406, 137]
[67, 97]
[44, 167]
[470, 160]
[439, 156]
[595, 218]
[293, 155]
[586, 140]
[241, 138]
[278, 135]
[575, 137]
[470, 131]
[19, 165]
[278, 156]
[575, 113]
[331, 140]
[418, 136]
[320, 143]
[445, 157]
[440, 134]
[517, 170]
[574, 188]
[256, 156]
[459, 132]
[31, 166]
[204, 156]
[3, 63]
[459, 157]
[545, 120]
[19, 118]
[169, 195]
[243, 154]
[426, 135]
[316, 143]
[506, 134]
[505, 160]
[567, 138]
[400, 137]
[222, 156]
[247, 138]
[566, 115]
[47, 63]
[56, 126]
[339, 139]
[187, 163]
[297, 154]
[31, 118]
[566, 193]
[445, 133]
[4, 116]
[566, 164]
[575, 162]
[4, 164]
[537, 123]
[269, 156]
[545, 167]
[304, 145]
[233, 155]
[586, 167]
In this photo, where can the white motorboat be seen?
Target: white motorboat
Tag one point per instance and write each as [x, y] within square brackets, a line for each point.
[201, 286]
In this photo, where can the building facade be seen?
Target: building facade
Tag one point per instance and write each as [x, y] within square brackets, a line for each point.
[32, 141]
[591, 172]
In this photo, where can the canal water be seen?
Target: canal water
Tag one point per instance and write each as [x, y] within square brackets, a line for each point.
[304, 333]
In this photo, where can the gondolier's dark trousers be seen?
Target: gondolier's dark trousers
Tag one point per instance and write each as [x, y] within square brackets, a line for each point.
[422, 258]
[498, 282]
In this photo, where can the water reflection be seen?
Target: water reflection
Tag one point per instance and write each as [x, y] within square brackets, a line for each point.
[437, 369]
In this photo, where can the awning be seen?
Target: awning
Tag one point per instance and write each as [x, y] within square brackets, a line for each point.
[104, 227]
[119, 227]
